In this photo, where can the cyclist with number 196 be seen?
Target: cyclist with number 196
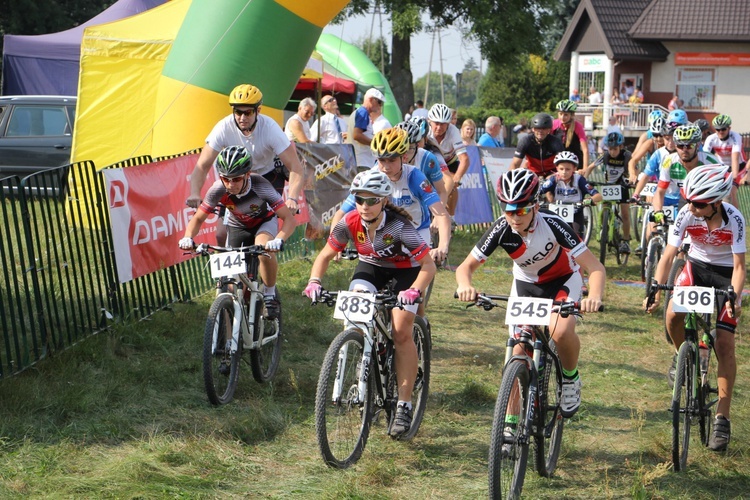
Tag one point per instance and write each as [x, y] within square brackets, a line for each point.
[716, 259]
[389, 247]
[546, 255]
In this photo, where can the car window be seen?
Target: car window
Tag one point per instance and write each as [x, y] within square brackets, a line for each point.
[27, 121]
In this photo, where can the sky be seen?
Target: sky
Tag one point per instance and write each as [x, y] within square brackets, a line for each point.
[455, 51]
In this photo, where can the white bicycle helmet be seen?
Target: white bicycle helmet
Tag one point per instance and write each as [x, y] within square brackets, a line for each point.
[439, 113]
[708, 183]
[372, 181]
[566, 156]
[413, 131]
[658, 126]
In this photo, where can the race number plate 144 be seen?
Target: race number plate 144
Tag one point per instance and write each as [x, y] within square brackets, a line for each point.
[227, 264]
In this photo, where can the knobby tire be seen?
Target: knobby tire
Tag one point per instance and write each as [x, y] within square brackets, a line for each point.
[221, 369]
[682, 405]
[548, 437]
[264, 361]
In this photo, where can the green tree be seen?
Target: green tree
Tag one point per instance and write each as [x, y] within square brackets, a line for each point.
[468, 86]
[434, 94]
[377, 51]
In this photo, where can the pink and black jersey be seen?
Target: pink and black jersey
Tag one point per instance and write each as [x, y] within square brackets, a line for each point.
[396, 244]
[256, 206]
[715, 247]
[547, 252]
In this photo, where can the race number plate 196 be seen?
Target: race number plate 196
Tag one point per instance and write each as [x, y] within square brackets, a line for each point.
[611, 193]
[357, 307]
[528, 311]
[564, 211]
[699, 299]
[227, 264]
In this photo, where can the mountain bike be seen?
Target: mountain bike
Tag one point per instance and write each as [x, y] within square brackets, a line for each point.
[358, 381]
[610, 223]
[236, 323]
[695, 389]
[678, 264]
[528, 402]
[656, 244]
[567, 211]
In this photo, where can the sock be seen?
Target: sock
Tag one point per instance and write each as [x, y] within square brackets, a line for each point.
[570, 374]
[269, 290]
[406, 404]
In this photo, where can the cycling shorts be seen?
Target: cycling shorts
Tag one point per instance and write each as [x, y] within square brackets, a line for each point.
[373, 278]
[697, 273]
[239, 236]
[567, 287]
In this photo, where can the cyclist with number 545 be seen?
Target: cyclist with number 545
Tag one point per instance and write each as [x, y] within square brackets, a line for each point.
[546, 255]
[389, 248]
[716, 259]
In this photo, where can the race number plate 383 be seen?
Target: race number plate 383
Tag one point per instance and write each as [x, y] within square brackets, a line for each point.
[528, 311]
[227, 264]
[357, 307]
[698, 299]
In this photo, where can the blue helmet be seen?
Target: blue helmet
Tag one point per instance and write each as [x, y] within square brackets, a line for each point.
[614, 139]
[657, 113]
[677, 116]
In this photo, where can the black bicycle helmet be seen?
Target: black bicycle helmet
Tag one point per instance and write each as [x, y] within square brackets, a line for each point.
[541, 120]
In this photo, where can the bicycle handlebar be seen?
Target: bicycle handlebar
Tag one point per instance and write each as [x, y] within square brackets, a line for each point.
[564, 307]
[388, 298]
[255, 250]
[728, 295]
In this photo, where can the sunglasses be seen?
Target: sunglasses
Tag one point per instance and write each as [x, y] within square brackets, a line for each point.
[685, 146]
[329, 101]
[232, 180]
[249, 112]
[700, 205]
[520, 211]
[721, 129]
[359, 200]
[656, 136]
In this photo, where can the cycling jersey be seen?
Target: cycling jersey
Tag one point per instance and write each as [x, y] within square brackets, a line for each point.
[572, 191]
[579, 134]
[451, 146]
[672, 173]
[540, 156]
[547, 252]
[412, 192]
[396, 244]
[715, 247]
[614, 168]
[429, 164]
[259, 203]
[724, 149]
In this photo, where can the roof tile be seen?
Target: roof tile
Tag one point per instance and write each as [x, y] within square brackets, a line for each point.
[697, 20]
[616, 17]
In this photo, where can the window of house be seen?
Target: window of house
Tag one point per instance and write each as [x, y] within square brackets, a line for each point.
[697, 87]
[586, 80]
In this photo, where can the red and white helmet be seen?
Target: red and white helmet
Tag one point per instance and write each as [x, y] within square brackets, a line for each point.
[518, 188]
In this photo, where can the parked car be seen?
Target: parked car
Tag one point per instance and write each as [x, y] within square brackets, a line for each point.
[36, 133]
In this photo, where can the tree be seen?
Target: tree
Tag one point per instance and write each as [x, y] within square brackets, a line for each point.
[434, 94]
[468, 84]
[377, 51]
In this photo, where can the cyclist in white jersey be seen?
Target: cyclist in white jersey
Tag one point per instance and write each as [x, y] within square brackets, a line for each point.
[448, 139]
[727, 145]
[546, 254]
[716, 259]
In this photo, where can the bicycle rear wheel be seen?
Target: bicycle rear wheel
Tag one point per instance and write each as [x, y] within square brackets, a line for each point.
[677, 266]
[653, 255]
[221, 368]
[264, 361]
[419, 396]
[683, 405]
[622, 258]
[342, 414]
[708, 396]
[509, 452]
[604, 235]
[548, 437]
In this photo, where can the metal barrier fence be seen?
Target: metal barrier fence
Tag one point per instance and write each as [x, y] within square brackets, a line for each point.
[59, 279]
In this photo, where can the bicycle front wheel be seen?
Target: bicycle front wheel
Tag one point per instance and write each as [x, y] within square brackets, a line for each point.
[419, 395]
[264, 360]
[653, 255]
[342, 413]
[509, 449]
[548, 437]
[588, 224]
[221, 368]
[683, 405]
[677, 266]
[604, 235]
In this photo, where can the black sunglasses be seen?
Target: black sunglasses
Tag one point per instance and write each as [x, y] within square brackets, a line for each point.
[248, 112]
[700, 205]
[721, 129]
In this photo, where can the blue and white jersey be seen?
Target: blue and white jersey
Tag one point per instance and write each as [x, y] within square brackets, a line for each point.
[412, 192]
[429, 164]
[652, 171]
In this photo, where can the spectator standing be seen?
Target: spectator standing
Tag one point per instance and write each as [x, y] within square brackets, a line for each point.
[489, 139]
[637, 97]
[595, 97]
[329, 129]
[419, 109]
[575, 96]
[297, 127]
[468, 132]
[454, 116]
[362, 127]
[409, 113]
[615, 99]
[674, 103]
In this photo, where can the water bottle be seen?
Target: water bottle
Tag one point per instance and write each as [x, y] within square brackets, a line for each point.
[538, 359]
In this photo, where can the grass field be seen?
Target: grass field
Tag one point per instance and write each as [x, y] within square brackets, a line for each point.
[124, 415]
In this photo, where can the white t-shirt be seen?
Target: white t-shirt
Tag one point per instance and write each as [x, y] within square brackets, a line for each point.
[380, 123]
[305, 128]
[265, 142]
[420, 112]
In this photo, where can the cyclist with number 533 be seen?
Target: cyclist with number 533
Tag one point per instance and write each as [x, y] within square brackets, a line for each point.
[716, 259]
[389, 248]
[546, 255]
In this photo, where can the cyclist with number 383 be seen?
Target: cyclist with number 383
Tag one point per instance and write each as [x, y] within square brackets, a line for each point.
[546, 255]
[389, 247]
[716, 259]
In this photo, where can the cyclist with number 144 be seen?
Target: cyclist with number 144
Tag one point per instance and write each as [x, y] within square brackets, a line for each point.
[716, 259]
[546, 255]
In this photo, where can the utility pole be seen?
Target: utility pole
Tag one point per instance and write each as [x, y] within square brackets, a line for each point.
[440, 53]
[429, 70]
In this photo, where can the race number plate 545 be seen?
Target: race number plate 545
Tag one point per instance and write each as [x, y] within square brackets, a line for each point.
[357, 307]
[227, 264]
[698, 299]
[528, 311]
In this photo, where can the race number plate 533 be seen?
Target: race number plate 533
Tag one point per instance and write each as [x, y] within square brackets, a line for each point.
[357, 307]
[528, 311]
[227, 264]
[698, 299]
[611, 193]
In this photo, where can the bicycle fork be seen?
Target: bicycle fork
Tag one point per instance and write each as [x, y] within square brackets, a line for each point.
[363, 366]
